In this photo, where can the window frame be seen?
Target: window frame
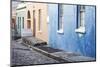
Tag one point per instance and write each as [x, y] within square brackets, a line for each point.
[80, 26]
[60, 18]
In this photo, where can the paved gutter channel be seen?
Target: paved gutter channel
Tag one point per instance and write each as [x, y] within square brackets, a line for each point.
[48, 54]
[63, 57]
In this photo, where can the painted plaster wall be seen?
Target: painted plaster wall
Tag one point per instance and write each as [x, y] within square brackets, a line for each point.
[70, 40]
[43, 34]
[23, 31]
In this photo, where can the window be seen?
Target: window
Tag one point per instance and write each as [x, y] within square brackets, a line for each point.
[81, 20]
[23, 21]
[39, 21]
[28, 20]
[18, 23]
[60, 18]
[13, 23]
[28, 14]
[82, 17]
[28, 24]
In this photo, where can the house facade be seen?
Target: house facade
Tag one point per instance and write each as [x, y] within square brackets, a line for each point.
[72, 28]
[32, 20]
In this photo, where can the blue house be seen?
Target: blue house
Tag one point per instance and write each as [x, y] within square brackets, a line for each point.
[72, 28]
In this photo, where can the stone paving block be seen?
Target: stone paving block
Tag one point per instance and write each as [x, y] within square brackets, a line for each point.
[81, 59]
[73, 57]
[65, 56]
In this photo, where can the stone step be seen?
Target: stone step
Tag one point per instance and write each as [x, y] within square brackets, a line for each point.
[33, 41]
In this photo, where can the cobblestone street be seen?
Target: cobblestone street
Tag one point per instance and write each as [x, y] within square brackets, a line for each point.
[22, 55]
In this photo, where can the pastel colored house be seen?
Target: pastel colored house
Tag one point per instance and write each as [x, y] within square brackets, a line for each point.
[32, 20]
[72, 28]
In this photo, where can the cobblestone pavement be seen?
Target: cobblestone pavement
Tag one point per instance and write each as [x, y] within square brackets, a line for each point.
[22, 55]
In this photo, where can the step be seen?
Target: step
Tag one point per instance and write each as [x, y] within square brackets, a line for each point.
[33, 41]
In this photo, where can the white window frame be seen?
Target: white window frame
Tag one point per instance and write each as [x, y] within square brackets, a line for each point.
[81, 22]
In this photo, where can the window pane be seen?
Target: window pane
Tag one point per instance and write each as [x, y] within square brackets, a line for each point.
[39, 14]
[28, 15]
[82, 15]
[23, 21]
[18, 23]
[60, 11]
[28, 24]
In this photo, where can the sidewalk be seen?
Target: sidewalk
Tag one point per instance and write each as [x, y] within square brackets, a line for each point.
[57, 54]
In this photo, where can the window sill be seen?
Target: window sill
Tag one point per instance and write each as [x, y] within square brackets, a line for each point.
[60, 31]
[40, 31]
[80, 30]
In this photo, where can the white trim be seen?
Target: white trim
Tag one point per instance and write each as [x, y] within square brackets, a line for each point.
[60, 31]
[48, 19]
[80, 30]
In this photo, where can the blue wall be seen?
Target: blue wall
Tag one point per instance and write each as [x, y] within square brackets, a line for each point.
[70, 40]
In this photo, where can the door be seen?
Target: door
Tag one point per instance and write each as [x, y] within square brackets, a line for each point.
[34, 23]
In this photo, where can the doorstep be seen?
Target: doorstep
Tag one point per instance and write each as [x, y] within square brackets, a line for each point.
[33, 41]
